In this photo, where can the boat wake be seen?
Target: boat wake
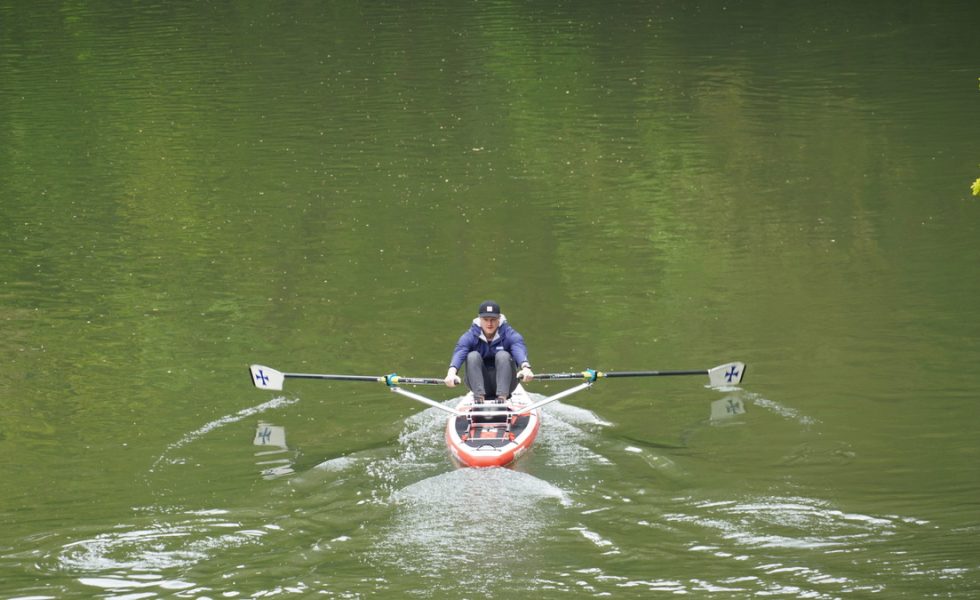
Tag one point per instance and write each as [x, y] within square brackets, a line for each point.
[150, 554]
[465, 525]
[450, 526]
[565, 437]
[460, 516]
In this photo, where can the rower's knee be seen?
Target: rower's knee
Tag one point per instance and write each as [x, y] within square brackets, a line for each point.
[502, 359]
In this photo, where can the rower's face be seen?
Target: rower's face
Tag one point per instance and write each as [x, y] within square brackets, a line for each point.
[489, 325]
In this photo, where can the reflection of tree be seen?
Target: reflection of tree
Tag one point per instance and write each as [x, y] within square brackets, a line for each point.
[219, 181]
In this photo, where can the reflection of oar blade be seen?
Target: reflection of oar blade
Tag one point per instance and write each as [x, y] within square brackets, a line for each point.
[270, 435]
[726, 408]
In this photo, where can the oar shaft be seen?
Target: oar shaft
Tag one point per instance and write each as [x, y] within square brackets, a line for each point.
[397, 379]
[653, 373]
[601, 374]
[389, 379]
[332, 377]
[551, 376]
[722, 375]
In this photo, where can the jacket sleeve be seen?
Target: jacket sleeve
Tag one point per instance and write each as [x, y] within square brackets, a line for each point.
[517, 348]
[463, 347]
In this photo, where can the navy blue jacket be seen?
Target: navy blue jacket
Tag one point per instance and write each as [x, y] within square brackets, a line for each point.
[507, 338]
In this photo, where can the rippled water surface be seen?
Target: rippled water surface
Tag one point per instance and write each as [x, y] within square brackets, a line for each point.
[189, 189]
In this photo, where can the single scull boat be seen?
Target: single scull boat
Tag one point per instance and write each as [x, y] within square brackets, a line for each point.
[492, 435]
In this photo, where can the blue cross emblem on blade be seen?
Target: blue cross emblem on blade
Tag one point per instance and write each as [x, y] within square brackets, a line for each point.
[731, 374]
[261, 376]
[265, 435]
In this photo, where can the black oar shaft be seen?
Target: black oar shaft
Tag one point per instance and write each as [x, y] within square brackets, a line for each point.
[653, 373]
[333, 377]
[389, 379]
[593, 375]
[548, 376]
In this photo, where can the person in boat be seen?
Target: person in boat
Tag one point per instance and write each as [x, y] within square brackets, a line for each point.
[491, 350]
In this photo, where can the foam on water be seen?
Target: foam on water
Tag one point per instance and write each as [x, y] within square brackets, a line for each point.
[133, 556]
[780, 409]
[468, 523]
[566, 442]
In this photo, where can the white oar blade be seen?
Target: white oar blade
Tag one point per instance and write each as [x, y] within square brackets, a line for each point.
[266, 378]
[726, 375]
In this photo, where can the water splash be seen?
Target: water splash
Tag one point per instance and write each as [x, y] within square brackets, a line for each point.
[565, 432]
[781, 410]
[467, 525]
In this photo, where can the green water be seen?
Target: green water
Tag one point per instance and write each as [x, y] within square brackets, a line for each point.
[189, 188]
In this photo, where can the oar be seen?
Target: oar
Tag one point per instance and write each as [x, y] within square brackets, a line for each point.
[267, 378]
[720, 376]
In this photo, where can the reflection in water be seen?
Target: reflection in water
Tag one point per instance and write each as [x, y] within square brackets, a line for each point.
[274, 436]
[726, 408]
[221, 422]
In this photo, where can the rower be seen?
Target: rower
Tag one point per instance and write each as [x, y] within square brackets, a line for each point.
[491, 350]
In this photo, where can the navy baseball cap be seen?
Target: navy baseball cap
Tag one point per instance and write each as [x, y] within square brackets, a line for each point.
[489, 308]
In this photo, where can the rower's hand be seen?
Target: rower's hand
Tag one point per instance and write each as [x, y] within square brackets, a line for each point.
[525, 374]
[452, 380]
